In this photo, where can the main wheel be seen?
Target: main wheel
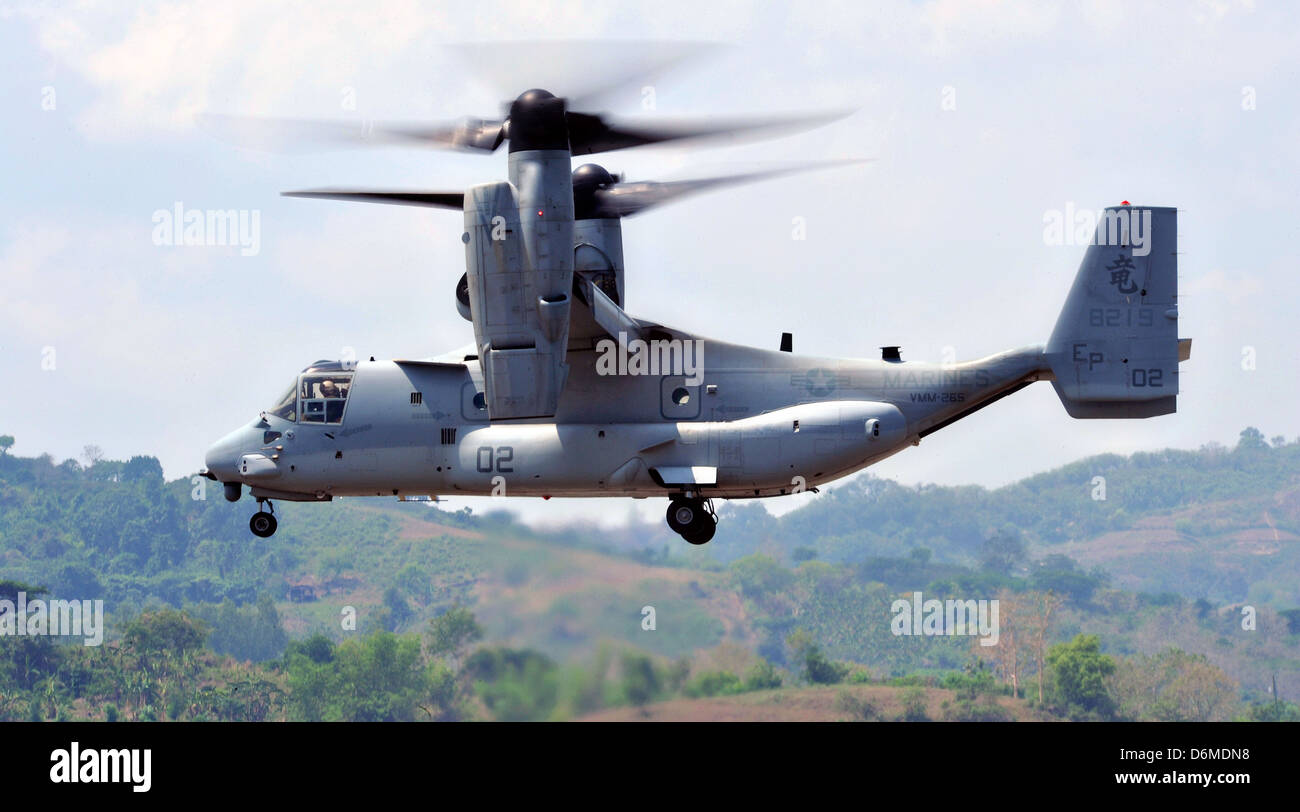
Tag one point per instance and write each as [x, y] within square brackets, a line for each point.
[262, 524]
[703, 533]
[683, 514]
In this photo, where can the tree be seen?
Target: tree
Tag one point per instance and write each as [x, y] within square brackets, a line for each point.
[399, 611]
[713, 683]
[976, 695]
[9, 590]
[759, 575]
[143, 469]
[377, 678]
[1035, 620]
[1002, 552]
[6, 443]
[1274, 711]
[640, 680]
[1005, 655]
[516, 685]
[380, 678]
[1251, 438]
[762, 676]
[916, 702]
[318, 648]
[1292, 618]
[1174, 686]
[25, 660]
[77, 578]
[248, 632]
[161, 644]
[92, 454]
[1060, 574]
[452, 631]
[1080, 673]
[817, 669]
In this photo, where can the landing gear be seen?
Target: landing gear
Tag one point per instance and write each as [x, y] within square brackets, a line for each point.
[692, 518]
[263, 524]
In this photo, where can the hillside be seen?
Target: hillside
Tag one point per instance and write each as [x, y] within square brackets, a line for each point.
[1180, 542]
[1217, 523]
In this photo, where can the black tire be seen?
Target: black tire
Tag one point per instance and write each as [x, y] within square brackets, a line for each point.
[703, 533]
[684, 514]
[262, 524]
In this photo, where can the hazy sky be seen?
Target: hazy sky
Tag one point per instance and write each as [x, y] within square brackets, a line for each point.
[982, 118]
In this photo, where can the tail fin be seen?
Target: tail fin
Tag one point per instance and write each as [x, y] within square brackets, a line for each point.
[1115, 349]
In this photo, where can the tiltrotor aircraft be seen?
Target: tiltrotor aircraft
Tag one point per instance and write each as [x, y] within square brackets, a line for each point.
[565, 394]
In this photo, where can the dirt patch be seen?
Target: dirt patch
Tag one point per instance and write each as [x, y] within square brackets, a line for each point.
[414, 529]
[578, 571]
[820, 704]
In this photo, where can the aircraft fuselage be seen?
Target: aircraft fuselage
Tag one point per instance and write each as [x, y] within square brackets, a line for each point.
[748, 423]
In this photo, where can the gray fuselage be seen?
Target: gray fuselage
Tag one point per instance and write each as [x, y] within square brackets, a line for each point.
[751, 423]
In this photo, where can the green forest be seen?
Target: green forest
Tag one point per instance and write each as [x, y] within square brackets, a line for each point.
[1150, 587]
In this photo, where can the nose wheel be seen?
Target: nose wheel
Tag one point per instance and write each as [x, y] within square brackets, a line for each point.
[263, 523]
[692, 518]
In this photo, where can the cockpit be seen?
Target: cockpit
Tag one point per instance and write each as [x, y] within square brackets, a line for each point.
[319, 395]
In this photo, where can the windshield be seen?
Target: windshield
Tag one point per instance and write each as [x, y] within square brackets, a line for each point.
[286, 406]
[322, 396]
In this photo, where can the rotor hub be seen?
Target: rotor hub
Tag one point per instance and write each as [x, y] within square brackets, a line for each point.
[537, 121]
[587, 180]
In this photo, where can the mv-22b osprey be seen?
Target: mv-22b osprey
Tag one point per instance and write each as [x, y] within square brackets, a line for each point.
[565, 394]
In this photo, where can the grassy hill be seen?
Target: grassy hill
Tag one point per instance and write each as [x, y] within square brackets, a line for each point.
[1216, 523]
[1181, 544]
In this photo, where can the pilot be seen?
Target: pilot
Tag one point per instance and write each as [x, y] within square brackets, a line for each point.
[328, 389]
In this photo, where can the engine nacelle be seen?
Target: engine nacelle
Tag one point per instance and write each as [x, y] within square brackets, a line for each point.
[518, 289]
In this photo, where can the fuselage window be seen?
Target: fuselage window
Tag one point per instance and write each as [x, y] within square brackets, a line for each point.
[321, 397]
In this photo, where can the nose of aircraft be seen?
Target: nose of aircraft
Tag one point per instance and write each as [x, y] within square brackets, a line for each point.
[223, 457]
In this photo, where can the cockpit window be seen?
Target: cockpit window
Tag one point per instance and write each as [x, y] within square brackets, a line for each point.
[286, 407]
[322, 396]
[331, 366]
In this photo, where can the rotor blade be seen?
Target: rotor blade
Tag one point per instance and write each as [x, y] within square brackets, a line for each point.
[298, 135]
[592, 133]
[585, 72]
[437, 200]
[624, 199]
